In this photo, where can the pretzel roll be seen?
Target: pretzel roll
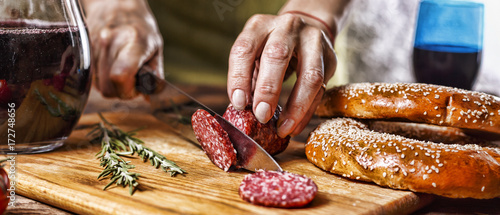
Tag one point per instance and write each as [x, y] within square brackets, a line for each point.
[427, 132]
[425, 103]
[350, 148]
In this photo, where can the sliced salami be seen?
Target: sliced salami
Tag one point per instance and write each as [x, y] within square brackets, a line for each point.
[213, 139]
[264, 134]
[277, 189]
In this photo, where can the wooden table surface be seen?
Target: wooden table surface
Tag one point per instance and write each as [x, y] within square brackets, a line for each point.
[99, 104]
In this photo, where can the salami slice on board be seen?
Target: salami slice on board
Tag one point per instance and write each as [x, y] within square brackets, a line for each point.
[277, 189]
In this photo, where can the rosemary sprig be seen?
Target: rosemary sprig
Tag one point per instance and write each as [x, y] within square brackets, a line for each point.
[114, 165]
[116, 143]
[136, 146]
[157, 160]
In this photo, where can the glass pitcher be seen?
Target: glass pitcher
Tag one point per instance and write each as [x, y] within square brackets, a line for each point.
[44, 73]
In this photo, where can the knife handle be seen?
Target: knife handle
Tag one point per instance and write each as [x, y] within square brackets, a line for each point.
[147, 82]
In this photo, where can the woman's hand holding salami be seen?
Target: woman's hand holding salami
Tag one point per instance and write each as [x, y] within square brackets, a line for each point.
[268, 49]
[124, 37]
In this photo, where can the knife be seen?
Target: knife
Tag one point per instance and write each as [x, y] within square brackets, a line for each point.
[175, 107]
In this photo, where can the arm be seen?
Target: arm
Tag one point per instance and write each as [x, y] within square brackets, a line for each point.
[124, 37]
[332, 12]
[268, 45]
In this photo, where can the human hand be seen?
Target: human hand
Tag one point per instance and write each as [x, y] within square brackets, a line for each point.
[124, 36]
[272, 42]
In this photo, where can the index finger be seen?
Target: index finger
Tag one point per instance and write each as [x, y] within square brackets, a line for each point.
[242, 59]
[274, 62]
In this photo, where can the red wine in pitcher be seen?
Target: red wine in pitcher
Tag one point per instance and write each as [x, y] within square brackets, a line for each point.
[44, 79]
[453, 66]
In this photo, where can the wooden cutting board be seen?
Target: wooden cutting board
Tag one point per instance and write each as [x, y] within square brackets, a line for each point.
[67, 178]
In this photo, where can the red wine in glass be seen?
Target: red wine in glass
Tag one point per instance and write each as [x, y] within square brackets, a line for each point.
[455, 66]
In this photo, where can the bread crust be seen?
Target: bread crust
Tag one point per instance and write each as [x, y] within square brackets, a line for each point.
[424, 103]
[427, 132]
[348, 147]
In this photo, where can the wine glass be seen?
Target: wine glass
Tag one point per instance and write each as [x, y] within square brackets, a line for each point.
[44, 73]
[448, 42]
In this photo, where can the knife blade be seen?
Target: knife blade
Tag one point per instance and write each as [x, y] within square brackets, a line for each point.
[175, 107]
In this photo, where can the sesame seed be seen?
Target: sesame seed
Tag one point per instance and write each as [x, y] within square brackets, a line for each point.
[482, 189]
[433, 184]
[425, 176]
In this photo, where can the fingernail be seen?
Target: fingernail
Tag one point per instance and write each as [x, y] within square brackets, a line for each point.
[262, 111]
[286, 127]
[239, 99]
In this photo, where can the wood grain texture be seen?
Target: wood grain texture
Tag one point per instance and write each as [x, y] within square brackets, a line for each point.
[67, 179]
[28, 206]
